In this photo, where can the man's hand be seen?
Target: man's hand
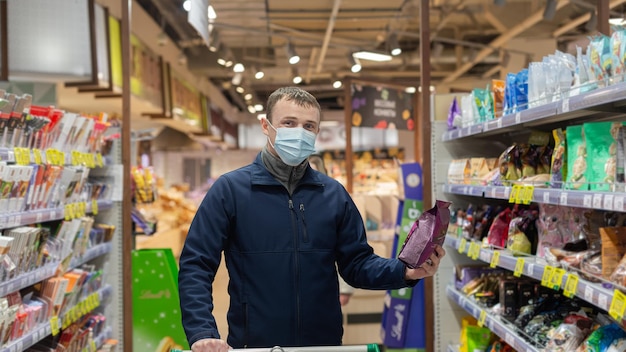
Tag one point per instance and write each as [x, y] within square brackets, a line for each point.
[344, 298]
[210, 345]
[429, 268]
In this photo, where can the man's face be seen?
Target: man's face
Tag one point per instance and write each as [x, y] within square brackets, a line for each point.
[288, 114]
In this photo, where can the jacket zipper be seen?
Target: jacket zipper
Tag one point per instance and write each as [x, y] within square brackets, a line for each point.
[305, 234]
[294, 223]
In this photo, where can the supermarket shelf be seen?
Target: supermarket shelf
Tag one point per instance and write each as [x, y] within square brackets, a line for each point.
[534, 268]
[42, 331]
[48, 270]
[28, 279]
[611, 201]
[91, 253]
[498, 327]
[103, 336]
[8, 155]
[38, 216]
[564, 109]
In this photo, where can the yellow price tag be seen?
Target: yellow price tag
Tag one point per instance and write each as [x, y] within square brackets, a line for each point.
[99, 160]
[462, 245]
[571, 286]
[495, 259]
[94, 206]
[61, 158]
[513, 196]
[76, 158]
[476, 251]
[519, 267]
[38, 156]
[547, 276]
[482, 318]
[83, 208]
[618, 305]
[66, 212]
[529, 192]
[54, 325]
[50, 156]
[557, 278]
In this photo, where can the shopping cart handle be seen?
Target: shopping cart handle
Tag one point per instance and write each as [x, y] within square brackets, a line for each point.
[372, 347]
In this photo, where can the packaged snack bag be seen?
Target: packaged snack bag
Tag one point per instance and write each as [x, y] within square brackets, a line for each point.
[576, 158]
[558, 166]
[601, 144]
[427, 231]
[497, 90]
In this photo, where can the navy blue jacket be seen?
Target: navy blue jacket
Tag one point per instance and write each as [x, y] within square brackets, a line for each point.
[280, 252]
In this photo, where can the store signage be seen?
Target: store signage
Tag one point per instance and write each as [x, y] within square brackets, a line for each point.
[115, 52]
[186, 103]
[382, 107]
[367, 155]
[198, 17]
[145, 79]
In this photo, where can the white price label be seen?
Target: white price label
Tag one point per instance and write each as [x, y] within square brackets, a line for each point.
[510, 339]
[618, 203]
[565, 105]
[471, 191]
[36, 335]
[39, 217]
[465, 190]
[588, 294]
[11, 286]
[507, 192]
[597, 201]
[608, 202]
[12, 221]
[486, 127]
[493, 192]
[499, 123]
[20, 345]
[460, 132]
[546, 197]
[518, 118]
[530, 268]
[603, 301]
[587, 199]
[53, 215]
[18, 220]
[563, 198]
[14, 348]
[3, 222]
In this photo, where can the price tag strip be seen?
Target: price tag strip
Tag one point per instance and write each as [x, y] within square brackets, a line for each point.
[519, 267]
[571, 286]
[495, 259]
[462, 244]
[547, 276]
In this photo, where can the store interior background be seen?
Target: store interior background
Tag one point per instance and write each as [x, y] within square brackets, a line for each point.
[472, 42]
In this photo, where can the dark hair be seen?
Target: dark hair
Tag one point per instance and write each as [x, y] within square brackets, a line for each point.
[295, 94]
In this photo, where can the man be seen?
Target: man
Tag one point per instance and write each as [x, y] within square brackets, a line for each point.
[284, 229]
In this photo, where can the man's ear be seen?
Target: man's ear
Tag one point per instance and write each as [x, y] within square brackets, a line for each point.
[265, 126]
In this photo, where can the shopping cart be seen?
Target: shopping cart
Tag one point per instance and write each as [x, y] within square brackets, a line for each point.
[372, 347]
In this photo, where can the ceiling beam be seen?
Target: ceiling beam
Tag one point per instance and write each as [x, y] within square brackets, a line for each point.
[329, 33]
[494, 21]
[447, 17]
[501, 40]
[581, 19]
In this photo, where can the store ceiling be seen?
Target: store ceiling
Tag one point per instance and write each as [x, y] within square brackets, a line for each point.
[466, 39]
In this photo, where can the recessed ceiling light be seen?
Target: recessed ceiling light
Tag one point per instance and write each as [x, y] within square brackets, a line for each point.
[371, 56]
[248, 96]
[240, 90]
[337, 84]
[258, 107]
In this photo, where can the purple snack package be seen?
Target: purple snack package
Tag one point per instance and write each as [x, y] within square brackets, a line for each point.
[453, 115]
[427, 232]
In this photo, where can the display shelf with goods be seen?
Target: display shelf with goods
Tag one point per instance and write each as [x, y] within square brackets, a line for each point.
[55, 253]
[52, 327]
[465, 153]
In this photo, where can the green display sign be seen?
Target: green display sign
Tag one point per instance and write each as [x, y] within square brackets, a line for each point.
[156, 310]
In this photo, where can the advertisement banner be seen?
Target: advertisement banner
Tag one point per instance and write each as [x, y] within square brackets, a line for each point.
[186, 101]
[382, 107]
[145, 79]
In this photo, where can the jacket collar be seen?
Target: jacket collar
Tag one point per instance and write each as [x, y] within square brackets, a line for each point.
[261, 176]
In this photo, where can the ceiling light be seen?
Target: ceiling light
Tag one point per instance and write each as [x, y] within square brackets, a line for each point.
[258, 107]
[259, 74]
[211, 13]
[410, 90]
[371, 56]
[355, 64]
[228, 63]
[261, 116]
[248, 96]
[236, 79]
[550, 11]
[297, 79]
[221, 61]
[394, 46]
[617, 21]
[291, 54]
[240, 90]
[337, 84]
[187, 5]
[251, 109]
[239, 67]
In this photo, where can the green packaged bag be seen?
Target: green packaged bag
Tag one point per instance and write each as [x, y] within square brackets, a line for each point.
[576, 158]
[601, 145]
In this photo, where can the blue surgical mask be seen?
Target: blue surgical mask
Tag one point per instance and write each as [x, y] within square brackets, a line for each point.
[293, 144]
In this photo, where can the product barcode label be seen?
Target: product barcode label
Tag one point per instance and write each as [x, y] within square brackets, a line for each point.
[587, 199]
[563, 198]
[588, 294]
[603, 301]
[518, 118]
[519, 267]
[597, 201]
[608, 202]
[565, 105]
[618, 204]
[546, 197]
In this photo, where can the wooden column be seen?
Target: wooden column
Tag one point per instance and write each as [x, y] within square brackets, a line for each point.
[347, 93]
[603, 12]
[4, 42]
[127, 242]
[423, 147]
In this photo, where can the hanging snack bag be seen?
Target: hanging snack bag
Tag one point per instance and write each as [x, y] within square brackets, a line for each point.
[620, 176]
[558, 166]
[601, 145]
[599, 53]
[454, 116]
[509, 94]
[497, 90]
[617, 67]
[576, 159]
[521, 90]
[427, 232]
